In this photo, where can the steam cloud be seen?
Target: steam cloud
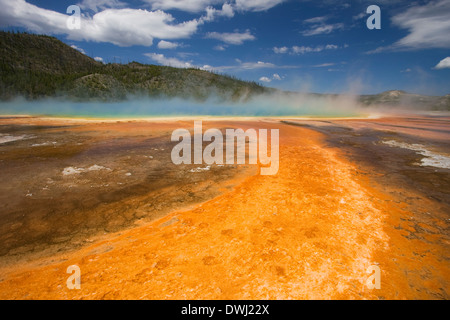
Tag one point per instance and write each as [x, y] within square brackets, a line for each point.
[277, 104]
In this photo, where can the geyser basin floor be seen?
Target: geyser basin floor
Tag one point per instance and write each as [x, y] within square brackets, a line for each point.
[74, 180]
[311, 231]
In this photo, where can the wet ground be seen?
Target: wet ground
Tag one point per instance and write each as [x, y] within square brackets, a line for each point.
[388, 149]
[64, 185]
[387, 154]
[350, 194]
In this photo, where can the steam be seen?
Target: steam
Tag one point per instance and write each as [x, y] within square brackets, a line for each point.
[274, 104]
[278, 104]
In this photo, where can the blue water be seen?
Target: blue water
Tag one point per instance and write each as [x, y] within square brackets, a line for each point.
[174, 107]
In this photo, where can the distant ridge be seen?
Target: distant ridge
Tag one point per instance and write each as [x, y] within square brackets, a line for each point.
[399, 98]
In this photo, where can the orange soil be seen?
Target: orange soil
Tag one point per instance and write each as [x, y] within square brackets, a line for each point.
[309, 232]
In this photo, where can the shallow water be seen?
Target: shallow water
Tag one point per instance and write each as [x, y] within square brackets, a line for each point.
[175, 107]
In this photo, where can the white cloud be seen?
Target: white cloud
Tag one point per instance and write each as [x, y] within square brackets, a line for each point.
[318, 25]
[246, 66]
[184, 5]
[428, 26]
[191, 6]
[257, 5]
[78, 48]
[275, 76]
[99, 59]
[231, 38]
[98, 5]
[254, 65]
[360, 16]
[212, 13]
[126, 27]
[303, 49]
[220, 48]
[281, 50]
[112, 22]
[171, 62]
[167, 45]
[324, 65]
[207, 67]
[443, 64]
[240, 66]
[227, 10]
[185, 55]
[322, 29]
[315, 20]
[20, 13]
[228, 7]
[123, 27]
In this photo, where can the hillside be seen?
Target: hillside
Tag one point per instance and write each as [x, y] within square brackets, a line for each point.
[39, 66]
[399, 99]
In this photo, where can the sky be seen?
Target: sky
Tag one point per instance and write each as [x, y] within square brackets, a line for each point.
[296, 45]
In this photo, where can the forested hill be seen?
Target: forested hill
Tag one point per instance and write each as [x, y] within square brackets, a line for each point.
[39, 66]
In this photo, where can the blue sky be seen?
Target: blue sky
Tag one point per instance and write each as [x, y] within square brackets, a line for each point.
[298, 45]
